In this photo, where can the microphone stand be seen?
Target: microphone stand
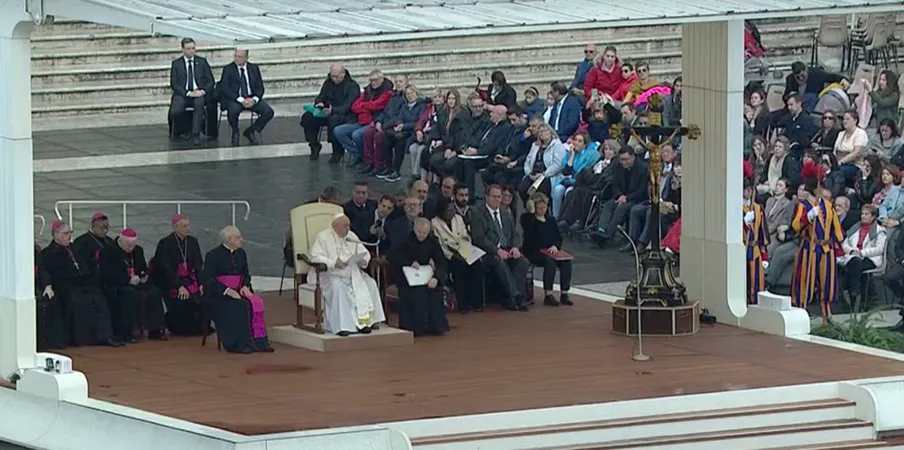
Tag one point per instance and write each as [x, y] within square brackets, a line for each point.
[639, 356]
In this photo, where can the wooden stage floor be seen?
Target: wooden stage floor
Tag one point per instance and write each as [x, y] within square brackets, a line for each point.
[489, 362]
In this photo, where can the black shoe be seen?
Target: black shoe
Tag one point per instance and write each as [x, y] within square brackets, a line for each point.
[393, 177]
[353, 161]
[251, 136]
[549, 300]
[335, 158]
[130, 340]
[235, 139]
[113, 343]
[563, 225]
[158, 335]
[576, 227]
[365, 168]
[365, 330]
[375, 326]
[315, 154]
[196, 141]
[343, 333]
[383, 173]
[565, 299]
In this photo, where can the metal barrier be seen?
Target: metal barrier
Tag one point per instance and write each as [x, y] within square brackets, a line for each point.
[126, 203]
[43, 223]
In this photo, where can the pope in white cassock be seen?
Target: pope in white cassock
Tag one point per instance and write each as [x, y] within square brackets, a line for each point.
[351, 297]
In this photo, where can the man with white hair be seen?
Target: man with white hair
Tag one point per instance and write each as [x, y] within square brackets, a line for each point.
[87, 315]
[238, 313]
[136, 305]
[351, 298]
[177, 270]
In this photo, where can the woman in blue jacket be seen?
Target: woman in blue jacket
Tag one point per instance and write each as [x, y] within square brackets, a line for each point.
[582, 154]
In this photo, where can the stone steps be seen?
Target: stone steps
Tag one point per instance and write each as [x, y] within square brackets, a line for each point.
[91, 70]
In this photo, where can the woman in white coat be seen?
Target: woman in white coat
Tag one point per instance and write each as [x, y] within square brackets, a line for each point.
[864, 249]
[543, 166]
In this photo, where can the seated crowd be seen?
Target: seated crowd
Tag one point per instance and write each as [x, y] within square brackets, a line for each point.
[98, 290]
[822, 199]
[476, 253]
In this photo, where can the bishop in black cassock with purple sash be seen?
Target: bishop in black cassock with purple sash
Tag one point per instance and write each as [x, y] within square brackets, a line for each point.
[136, 304]
[177, 270]
[89, 245]
[87, 316]
[50, 319]
[238, 312]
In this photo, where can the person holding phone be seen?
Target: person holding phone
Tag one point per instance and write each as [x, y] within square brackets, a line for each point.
[136, 305]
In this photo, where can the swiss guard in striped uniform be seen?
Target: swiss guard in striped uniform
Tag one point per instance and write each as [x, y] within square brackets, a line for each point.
[756, 238]
[815, 273]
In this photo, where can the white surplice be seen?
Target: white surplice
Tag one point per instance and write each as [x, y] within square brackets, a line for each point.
[351, 297]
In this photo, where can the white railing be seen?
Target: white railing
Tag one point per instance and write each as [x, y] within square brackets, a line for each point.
[43, 221]
[126, 203]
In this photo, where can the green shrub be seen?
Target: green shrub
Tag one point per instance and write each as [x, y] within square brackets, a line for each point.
[860, 329]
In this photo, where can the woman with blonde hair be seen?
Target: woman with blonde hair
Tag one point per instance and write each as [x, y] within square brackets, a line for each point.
[543, 166]
[543, 248]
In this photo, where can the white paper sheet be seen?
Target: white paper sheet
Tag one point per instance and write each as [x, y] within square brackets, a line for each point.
[419, 276]
[356, 259]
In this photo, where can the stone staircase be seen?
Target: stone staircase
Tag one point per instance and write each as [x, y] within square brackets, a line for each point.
[85, 74]
[818, 424]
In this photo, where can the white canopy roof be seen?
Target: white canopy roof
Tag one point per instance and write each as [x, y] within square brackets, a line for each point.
[272, 20]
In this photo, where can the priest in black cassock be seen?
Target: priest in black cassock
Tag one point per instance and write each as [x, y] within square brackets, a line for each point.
[50, 319]
[238, 313]
[87, 314]
[177, 270]
[136, 304]
[421, 308]
[89, 245]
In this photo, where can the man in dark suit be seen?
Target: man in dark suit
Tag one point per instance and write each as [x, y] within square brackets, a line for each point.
[360, 210]
[241, 88]
[494, 230]
[799, 126]
[192, 83]
[397, 229]
[566, 113]
[485, 144]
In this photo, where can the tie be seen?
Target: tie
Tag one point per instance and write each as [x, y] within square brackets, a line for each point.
[554, 116]
[191, 75]
[243, 81]
[497, 225]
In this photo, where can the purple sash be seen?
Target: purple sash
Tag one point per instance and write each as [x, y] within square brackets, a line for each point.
[258, 329]
[182, 271]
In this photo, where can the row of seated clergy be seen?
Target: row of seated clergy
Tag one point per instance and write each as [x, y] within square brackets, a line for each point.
[75, 302]
[351, 297]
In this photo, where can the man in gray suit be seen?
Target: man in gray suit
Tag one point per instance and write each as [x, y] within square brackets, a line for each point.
[494, 230]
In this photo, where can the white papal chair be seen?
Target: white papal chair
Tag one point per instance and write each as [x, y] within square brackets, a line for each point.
[306, 221]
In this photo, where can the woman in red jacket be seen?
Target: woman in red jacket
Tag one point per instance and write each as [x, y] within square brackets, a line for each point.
[605, 75]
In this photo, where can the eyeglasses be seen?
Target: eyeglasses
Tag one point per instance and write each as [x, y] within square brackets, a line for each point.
[589, 52]
[828, 118]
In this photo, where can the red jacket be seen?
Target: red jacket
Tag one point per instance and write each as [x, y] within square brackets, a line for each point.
[372, 102]
[606, 82]
[623, 88]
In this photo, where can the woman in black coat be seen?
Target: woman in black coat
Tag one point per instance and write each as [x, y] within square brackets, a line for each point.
[421, 307]
[450, 132]
[542, 245]
[500, 93]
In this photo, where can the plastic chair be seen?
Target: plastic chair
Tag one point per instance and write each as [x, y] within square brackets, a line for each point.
[832, 33]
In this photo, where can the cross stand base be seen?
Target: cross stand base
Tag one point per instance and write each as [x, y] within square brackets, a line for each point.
[658, 284]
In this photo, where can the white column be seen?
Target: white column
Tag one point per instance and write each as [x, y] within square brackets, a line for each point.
[712, 253]
[17, 296]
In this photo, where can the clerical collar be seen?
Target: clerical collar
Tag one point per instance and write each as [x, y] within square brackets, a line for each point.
[231, 250]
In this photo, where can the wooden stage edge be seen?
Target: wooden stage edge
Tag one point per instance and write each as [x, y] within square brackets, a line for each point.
[490, 362]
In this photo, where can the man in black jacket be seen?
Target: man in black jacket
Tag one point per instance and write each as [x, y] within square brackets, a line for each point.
[360, 210]
[192, 83]
[507, 167]
[241, 88]
[484, 145]
[630, 187]
[335, 100]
